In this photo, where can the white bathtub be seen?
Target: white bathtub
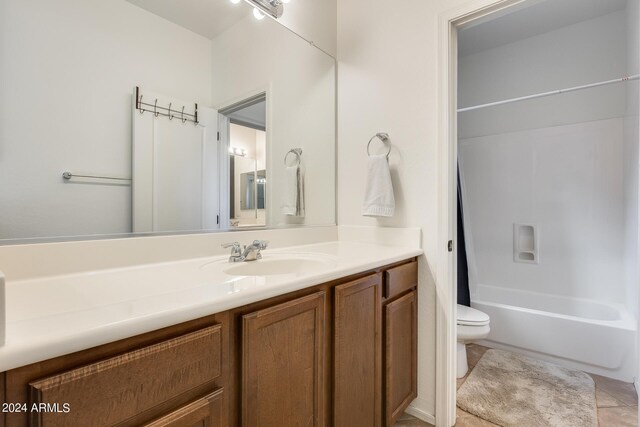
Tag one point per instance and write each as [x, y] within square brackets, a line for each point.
[578, 333]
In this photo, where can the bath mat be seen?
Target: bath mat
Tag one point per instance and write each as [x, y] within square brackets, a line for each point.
[515, 391]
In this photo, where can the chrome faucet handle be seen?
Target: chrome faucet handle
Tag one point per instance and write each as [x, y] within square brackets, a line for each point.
[234, 245]
[261, 244]
[236, 250]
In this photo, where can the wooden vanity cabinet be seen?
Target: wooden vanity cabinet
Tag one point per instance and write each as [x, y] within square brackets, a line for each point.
[342, 353]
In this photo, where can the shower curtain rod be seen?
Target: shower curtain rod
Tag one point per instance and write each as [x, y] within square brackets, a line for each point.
[553, 92]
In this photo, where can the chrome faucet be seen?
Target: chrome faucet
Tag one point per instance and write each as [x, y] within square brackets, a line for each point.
[250, 253]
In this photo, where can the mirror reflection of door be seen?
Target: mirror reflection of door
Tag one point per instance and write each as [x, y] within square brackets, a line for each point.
[175, 167]
[247, 142]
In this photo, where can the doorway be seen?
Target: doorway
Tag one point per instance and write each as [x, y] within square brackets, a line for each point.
[246, 142]
[526, 251]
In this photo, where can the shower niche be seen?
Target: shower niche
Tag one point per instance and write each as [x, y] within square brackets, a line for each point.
[525, 243]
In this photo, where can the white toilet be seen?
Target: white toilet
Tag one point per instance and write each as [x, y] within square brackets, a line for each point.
[472, 325]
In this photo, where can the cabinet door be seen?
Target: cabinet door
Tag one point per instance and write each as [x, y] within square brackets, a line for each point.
[283, 364]
[357, 353]
[401, 323]
[205, 412]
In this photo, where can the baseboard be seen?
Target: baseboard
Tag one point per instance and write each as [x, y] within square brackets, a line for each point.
[421, 415]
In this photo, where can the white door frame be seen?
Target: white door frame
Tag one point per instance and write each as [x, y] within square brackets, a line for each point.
[446, 288]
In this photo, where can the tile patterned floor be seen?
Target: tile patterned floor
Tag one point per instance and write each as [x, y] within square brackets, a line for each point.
[617, 401]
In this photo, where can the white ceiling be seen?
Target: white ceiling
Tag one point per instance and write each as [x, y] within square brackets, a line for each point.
[208, 18]
[255, 114]
[534, 17]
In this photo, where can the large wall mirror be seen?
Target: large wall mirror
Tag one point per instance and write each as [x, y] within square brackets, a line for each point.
[160, 116]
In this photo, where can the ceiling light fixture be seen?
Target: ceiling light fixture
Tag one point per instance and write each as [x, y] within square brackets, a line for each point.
[235, 151]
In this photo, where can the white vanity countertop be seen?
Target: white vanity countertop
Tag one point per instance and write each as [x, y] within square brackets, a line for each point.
[53, 316]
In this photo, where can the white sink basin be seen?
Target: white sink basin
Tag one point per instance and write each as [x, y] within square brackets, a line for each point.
[272, 267]
[275, 264]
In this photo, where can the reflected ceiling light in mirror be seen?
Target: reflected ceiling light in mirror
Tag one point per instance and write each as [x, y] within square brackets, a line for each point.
[235, 1]
[257, 13]
[235, 151]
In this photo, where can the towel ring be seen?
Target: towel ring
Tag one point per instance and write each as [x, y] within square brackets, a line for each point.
[384, 137]
[297, 152]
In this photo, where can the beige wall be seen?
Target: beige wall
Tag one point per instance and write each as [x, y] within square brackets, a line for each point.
[72, 66]
[387, 82]
[243, 137]
[300, 84]
[315, 20]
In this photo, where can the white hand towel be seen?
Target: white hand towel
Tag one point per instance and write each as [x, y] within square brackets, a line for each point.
[378, 199]
[293, 192]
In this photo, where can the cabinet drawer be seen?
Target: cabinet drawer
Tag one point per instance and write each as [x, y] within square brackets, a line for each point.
[400, 279]
[113, 390]
[204, 412]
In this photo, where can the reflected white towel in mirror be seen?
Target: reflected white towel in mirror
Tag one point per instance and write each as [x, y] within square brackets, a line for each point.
[293, 192]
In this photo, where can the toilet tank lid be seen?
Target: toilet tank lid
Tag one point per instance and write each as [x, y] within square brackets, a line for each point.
[471, 316]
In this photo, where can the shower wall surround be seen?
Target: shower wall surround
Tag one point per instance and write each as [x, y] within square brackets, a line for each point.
[568, 182]
[556, 162]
